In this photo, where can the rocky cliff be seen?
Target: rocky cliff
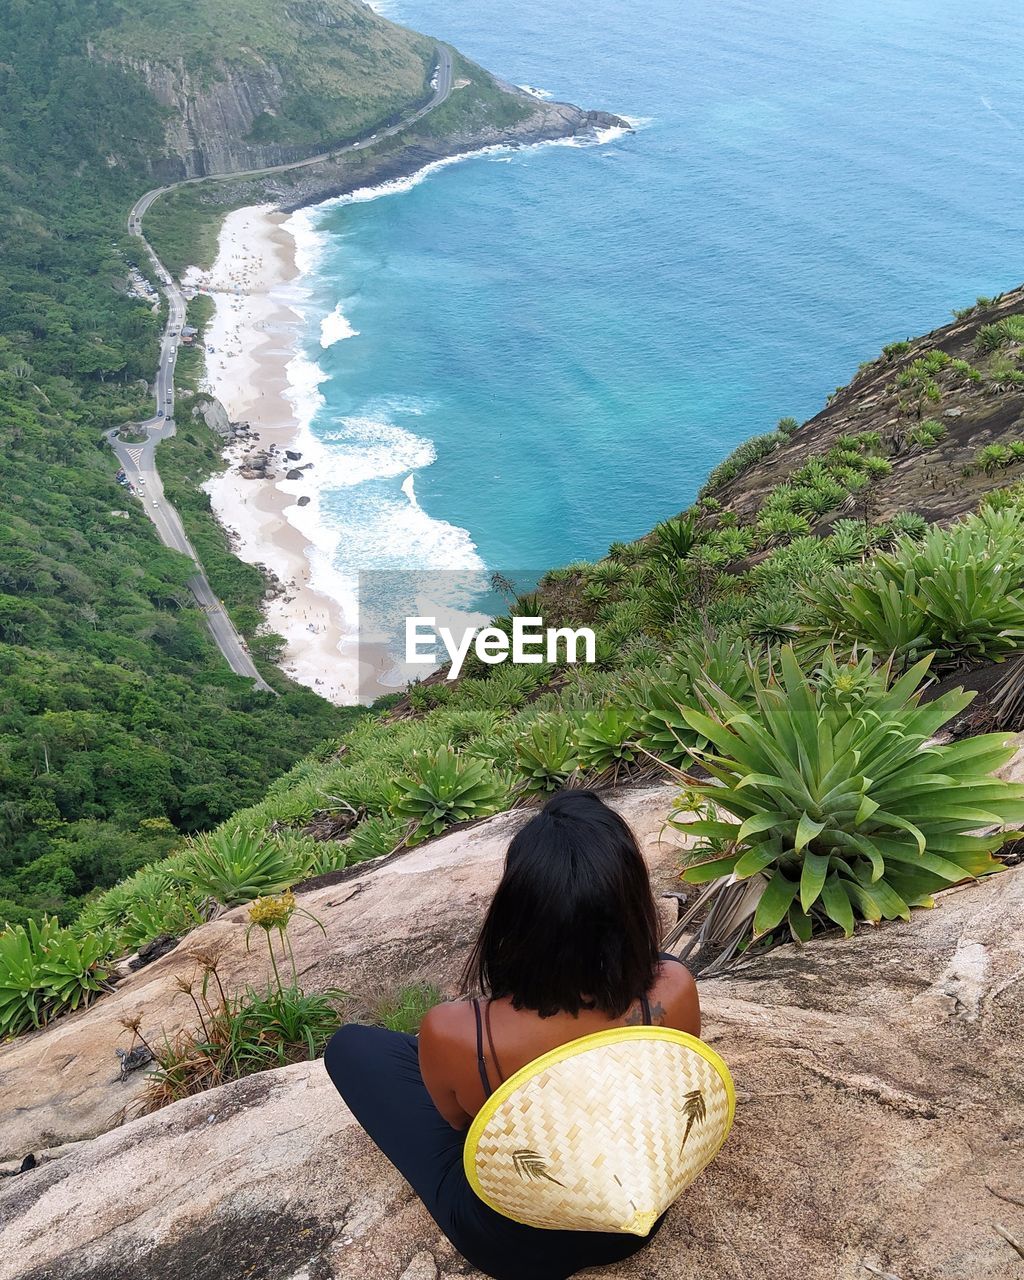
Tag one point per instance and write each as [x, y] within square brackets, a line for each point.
[878, 1129]
[209, 117]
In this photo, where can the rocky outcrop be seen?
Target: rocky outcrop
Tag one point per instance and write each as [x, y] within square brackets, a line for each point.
[414, 914]
[209, 113]
[214, 415]
[879, 1125]
[547, 122]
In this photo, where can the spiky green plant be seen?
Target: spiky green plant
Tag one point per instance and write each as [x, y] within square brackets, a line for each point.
[774, 525]
[992, 337]
[236, 864]
[991, 457]
[596, 592]
[955, 593]
[374, 837]
[926, 433]
[849, 541]
[673, 539]
[772, 621]
[837, 800]
[610, 572]
[46, 970]
[906, 523]
[606, 739]
[446, 786]
[546, 753]
[661, 727]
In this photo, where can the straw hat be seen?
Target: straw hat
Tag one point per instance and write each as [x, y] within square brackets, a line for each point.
[602, 1133]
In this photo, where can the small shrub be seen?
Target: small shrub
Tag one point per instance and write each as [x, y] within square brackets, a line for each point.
[992, 457]
[609, 572]
[749, 452]
[993, 337]
[443, 787]
[925, 433]
[374, 837]
[772, 622]
[849, 541]
[46, 970]
[773, 526]
[546, 754]
[661, 728]
[673, 539]
[235, 864]
[837, 804]
[954, 594]
[605, 739]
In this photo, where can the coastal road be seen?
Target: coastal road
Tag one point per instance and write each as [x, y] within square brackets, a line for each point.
[139, 460]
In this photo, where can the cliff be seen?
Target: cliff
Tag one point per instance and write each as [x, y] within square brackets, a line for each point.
[256, 85]
[878, 1128]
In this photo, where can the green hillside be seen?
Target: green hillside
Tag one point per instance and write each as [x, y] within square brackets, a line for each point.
[119, 724]
[798, 634]
[342, 66]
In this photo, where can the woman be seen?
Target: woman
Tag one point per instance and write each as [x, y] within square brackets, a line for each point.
[569, 947]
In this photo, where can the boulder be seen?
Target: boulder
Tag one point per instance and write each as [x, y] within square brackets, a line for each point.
[408, 917]
[878, 1133]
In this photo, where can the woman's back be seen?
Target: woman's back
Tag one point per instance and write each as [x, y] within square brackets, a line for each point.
[512, 1037]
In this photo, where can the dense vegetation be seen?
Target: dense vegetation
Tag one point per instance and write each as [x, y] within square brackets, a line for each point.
[119, 723]
[343, 68]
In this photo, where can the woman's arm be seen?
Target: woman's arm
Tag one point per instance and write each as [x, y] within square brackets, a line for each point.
[442, 1050]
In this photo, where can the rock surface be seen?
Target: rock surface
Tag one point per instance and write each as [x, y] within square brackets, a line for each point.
[404, 919]
[879, 1128]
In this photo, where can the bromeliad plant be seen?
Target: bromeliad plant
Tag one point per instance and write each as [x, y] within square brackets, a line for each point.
[955, 594]
[837, 801]
[546, 754]
[235, 864]
[446, 786]
[45, 971]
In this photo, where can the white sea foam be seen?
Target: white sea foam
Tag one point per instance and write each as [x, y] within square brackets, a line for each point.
[544, 94]
[368, 449]
[335, 327]
[374, 527]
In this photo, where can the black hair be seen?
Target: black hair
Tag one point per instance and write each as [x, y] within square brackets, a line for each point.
[572, 924]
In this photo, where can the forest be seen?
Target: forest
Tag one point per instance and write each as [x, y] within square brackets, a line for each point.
[120, 725]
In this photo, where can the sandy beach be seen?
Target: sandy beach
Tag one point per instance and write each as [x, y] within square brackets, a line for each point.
[253, 338]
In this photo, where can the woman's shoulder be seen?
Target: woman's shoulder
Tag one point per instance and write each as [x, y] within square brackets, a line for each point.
[449, 1023]
[675, 1002]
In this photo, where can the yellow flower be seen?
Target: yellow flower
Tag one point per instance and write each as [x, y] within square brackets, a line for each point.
[272, 912]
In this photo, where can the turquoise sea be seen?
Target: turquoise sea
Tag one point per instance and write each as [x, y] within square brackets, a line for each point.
[552, 347]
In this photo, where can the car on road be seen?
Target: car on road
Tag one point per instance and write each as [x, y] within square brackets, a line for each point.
[160, 413]
[155, 503]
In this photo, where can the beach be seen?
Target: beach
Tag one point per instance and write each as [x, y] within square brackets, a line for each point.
[251, 341]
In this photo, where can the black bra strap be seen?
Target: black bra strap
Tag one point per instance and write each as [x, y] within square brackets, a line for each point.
[481, 1065]
[645, 1004]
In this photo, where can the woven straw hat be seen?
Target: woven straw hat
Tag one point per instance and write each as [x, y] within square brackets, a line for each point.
[602, 1133]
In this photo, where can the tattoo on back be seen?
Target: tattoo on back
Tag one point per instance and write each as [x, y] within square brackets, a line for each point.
[635, 1017]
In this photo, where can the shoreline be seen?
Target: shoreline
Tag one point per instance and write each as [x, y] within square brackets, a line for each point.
[254, 335]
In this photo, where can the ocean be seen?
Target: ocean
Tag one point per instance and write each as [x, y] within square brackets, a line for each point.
[515, 359]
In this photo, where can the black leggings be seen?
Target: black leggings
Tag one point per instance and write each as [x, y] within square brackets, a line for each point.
[377, 1072]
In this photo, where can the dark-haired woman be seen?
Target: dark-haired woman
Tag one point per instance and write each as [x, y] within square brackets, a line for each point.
[569, 946]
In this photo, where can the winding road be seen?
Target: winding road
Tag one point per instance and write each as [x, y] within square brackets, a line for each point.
[138, 460]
